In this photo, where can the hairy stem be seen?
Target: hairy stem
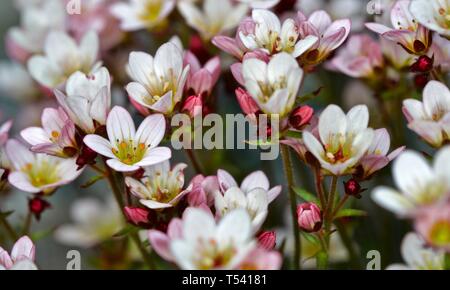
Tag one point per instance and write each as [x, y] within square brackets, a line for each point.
[9, 229]
[288, 170]
[120, 202]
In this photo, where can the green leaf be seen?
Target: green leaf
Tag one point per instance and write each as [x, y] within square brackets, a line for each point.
[313, 239]
[92, 181]
[39, 235]
[347, 212]
[6, 214]
[306, 196]
[294, 134]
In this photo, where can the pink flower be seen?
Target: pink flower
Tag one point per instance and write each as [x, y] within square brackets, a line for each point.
[377, 157]
[412, 36]
[21, 258]
[267, 240]
[330, 34]
[57, 137]
[201, 80]
[359, 58]
[160, 241]
[97, 15]
[128, 149]
[202, 190]
[193, 105]
[433, 223]
[262, 259]
[309, 217]
[234, 46]
[4, 132]
[135, 215]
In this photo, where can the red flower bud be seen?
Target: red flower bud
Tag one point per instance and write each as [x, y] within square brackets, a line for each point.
[197, 47]
[309, 217]
[267, 240]
[353, 188]
[421, 80]
[137, 216]
[37, 206]
[423, 64]
[301, 117]
[87, 156]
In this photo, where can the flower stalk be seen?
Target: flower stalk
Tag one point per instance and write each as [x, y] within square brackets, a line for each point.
[290, 181]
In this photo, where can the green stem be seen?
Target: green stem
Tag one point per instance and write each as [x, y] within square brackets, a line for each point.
[319, 187]
[322, 260]
[134, 236]
[339, 206]
[331, 197]
[27, 224]
[288, 170]
[197, 167]
[349, 245]
[9, 229]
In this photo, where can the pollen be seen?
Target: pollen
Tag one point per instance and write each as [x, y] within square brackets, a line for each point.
[55, 134]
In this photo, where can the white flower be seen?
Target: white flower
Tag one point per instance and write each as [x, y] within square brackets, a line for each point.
[139, 14]
[16, 82]
[4, 135]
[272, 37]
[343, 139]
[21, 258]
[127, 148]
[263, 4]
[206, 245]
[419, 184]
[215, 18]
[253, 195]
[254, 202]
[160, 187]
[37, 20]
[38, 172]
[430, 119]
[273, 86]
[433, 14]
[418, 256]
[94, 222]
[56, 137]
[88, 99]
[62, 57]
[158, 82]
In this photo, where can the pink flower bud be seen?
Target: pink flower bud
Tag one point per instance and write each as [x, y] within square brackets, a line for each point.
[267, 240]
[193, 105]
[136, 215]
[353, 188]
[309, 217]
[248, 105]
[423, 64]
[301, 117]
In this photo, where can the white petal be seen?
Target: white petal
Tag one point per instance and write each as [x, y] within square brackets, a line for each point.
[235, 228]
[99, 145]
[256, 179]
[120, 126]
[392, 200]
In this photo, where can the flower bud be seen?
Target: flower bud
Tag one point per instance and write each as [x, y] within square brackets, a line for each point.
[423, 64]
[193, 106]
[37, 206]
[137, 216]
[267, 240]
[87, 156]
[301, 117]
[353, 188]
[309, 217]
[421, 80]
[248, 105]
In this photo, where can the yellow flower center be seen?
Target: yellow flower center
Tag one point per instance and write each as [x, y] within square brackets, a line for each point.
[41, 173]
[211, 256]
[440, 233]
[151, 11]
[128, 152]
